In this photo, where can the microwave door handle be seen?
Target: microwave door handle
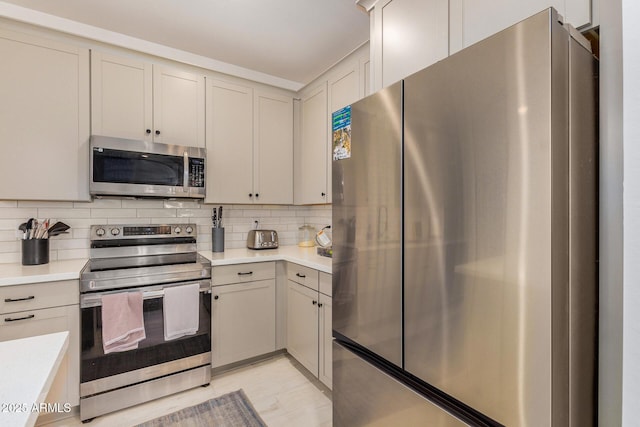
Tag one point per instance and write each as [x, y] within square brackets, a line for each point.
[186, 172]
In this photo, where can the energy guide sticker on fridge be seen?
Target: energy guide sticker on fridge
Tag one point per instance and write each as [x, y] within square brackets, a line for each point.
[341, 125]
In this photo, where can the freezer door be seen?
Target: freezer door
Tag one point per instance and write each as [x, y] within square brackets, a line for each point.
[367, 276]
[363, 395]
[486, 224]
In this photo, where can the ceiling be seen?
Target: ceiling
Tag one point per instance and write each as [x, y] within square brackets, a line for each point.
[294, 40]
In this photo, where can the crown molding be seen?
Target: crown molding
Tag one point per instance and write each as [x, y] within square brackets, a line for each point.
[366, 5]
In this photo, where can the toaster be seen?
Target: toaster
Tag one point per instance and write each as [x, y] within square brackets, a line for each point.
[262, 239]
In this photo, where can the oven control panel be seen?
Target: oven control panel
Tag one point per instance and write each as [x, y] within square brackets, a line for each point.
[136, 231]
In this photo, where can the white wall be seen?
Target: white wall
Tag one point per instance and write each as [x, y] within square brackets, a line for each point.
[631, 142]
[238, 220]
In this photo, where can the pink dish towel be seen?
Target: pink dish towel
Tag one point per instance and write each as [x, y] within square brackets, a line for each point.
[122, 321]
[181, 311]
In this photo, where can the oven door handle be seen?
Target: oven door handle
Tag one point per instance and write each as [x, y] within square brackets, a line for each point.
[186, 172]
[95, 300]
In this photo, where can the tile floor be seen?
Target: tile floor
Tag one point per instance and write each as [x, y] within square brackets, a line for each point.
[283, 393]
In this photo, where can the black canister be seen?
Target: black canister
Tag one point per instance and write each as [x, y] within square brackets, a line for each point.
[35, 251]
[217, 239]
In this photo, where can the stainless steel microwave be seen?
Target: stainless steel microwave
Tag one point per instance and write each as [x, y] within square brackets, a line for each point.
[125, 167]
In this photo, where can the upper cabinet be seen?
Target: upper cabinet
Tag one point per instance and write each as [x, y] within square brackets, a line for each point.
[342, 85]
[311, 165]
[139, 100]
[44, 119]
[472, 21]
[409, 35]
[249, 145]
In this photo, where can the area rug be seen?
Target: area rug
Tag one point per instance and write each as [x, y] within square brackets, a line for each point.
[230, 410]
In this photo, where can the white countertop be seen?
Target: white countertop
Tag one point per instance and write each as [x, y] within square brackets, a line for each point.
[17, 274]
[27, 368]
[303, 256]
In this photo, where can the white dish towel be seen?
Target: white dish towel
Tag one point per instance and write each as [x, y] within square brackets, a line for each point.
[181, 311]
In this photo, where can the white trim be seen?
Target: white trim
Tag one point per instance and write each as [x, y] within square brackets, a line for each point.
[75, 28]
[367, 5]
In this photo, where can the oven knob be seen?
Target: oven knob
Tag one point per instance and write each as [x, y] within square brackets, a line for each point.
[178, 230]
[189, 230]
[115, 231]
[100, 232]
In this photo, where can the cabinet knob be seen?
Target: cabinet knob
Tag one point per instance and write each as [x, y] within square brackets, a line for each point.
[319, 304]
[250, 194]
[257, 195]
[148, 131]
[324, 194]
[314, 302]
[216, 297]
[157, 132]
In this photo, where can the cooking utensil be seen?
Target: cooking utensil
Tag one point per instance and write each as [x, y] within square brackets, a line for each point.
[57, 228]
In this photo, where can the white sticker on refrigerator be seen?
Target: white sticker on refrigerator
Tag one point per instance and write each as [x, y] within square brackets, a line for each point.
[341, 125]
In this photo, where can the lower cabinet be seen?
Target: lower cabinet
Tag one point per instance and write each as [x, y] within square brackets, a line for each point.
[36, 316]
[243, 314]
[302, 325]
[309, 327]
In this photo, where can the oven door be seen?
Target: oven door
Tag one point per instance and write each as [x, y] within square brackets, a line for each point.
[154, 357]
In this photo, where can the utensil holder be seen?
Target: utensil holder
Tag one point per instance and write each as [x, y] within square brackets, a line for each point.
[35, 251]
[217, 239]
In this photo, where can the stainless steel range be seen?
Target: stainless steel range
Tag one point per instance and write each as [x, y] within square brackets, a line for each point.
[144, 259]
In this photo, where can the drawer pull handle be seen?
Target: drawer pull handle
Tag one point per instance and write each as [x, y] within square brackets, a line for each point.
[19, 299]
[302, 276]
[10, 319]
[245, 274]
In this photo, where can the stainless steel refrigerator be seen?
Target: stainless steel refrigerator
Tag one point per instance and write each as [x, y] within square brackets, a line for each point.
[465, 239]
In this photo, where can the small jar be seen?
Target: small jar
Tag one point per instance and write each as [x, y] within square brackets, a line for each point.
[306, 236]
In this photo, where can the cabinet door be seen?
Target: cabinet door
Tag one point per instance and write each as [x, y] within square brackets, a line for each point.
[344, 90]
[121, 97]
[44, 119]
[244, 321]
[273, 149]
[66, 385]
[411, 35]
[311, 168]
[229, 143]
[325, 366]
[178, 107]
[302, 325]
[472, 21]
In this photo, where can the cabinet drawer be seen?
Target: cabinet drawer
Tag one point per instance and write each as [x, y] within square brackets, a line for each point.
[38, 295]
[325, 283]
[240, 273]
[304, 275]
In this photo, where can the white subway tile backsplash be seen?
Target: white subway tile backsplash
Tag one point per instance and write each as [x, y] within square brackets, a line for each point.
[18, 213]
[148, 204]
[100, 203]
[179, 204]
[32, 204]
[80, 216]
[157, 213]
[113, 213]
[63, 213]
